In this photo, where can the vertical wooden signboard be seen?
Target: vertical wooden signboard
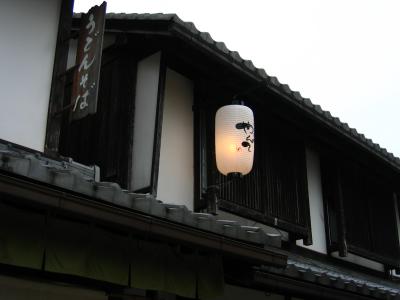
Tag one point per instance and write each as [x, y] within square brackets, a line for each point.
[88, 57]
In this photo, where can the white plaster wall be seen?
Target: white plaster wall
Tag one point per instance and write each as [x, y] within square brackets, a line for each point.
[148, 71]
[175, 179]
[232, 292]
[316, 203]
[28, 32]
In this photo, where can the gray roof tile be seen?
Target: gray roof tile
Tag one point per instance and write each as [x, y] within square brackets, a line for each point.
[353, 131]
[337, 121]
[221, 46]
[206, 37]
[235, 55]
[327, 114]
[286, 88]
[249, 64]
[330, 275]
[192, 28]
[308, 103]
[274, 81]
[262, 73]
[297, 96]
[318, 108]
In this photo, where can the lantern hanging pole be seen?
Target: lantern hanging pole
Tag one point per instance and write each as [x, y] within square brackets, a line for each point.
[253, 88]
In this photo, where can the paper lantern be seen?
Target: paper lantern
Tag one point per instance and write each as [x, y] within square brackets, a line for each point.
[234, 139]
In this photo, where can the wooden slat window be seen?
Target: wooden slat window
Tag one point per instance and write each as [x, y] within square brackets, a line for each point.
[275, 192]
[368, 211]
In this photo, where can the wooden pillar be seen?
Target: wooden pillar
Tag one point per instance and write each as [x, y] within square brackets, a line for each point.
[308, 241]
[58, 79]
[342, 242]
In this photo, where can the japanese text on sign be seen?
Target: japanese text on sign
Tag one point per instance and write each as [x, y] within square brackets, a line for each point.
[86, 76]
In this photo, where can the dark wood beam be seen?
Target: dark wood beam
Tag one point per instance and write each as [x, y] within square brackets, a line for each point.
[58, 79]
[343, 251]
[158, 126]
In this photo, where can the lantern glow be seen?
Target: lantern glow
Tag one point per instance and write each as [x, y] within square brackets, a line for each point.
[234, 139]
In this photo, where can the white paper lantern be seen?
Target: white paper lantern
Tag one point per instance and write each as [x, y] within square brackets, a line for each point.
[234, 139]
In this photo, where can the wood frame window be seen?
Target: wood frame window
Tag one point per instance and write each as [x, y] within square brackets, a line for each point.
[154, 115]
[108, 138]
[360, 212]
[59, 78]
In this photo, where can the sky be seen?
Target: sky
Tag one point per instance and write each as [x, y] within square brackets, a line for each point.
[342, 54]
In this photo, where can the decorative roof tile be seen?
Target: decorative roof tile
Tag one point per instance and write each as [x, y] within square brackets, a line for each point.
[286, 88]
[297, 96]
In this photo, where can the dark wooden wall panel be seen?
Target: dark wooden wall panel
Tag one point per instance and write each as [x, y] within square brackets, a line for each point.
[103, 139]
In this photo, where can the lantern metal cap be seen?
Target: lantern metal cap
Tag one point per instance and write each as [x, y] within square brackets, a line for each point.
[234, 175]
[237, 101]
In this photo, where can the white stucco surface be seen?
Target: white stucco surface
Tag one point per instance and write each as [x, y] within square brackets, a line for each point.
[28, 32]
[175, 179]
[148, 71]
[316, 203]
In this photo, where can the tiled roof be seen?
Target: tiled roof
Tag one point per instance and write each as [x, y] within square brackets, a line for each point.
[332, 276]
[67, 175]
[189, 31]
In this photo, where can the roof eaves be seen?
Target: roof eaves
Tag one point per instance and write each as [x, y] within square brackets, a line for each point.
[66, 176]
[188, 31]
[283, 89]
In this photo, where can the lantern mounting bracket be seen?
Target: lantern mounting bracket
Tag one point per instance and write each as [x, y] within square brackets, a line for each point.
[211, 192]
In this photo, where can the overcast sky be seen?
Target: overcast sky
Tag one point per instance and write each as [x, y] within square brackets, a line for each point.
[343, 55]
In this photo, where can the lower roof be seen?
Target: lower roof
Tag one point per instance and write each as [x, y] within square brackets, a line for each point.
[72, 177]
[336, 277]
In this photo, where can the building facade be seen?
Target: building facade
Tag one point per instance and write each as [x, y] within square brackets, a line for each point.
[128, 203]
